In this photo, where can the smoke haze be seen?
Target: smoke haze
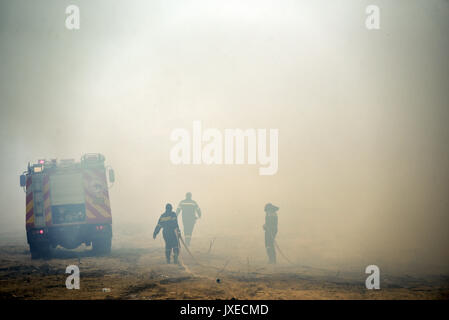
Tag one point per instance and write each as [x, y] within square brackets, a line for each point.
[362, 116]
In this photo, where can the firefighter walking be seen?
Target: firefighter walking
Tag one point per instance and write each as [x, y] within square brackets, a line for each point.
[168, 222]
[271, 229]
[190, 213]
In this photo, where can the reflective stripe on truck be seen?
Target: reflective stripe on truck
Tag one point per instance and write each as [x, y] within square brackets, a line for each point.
[29, 217]
[96, 196]
[47, 202]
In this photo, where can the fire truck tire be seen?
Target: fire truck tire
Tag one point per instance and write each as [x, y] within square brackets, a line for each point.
[35, 253]
[46, 251]
[41, 250]
[101, 246]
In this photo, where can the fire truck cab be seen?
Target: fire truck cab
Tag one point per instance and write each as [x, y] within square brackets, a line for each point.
[67, 204]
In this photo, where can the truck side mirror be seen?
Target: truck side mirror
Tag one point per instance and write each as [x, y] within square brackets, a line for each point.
[111, 175]
[22, 180]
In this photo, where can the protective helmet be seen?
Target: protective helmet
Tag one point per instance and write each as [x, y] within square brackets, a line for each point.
[271, 208]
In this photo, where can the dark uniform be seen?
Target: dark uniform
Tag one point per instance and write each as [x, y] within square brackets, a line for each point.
[169, 224]
[190, 210]
[271, 229]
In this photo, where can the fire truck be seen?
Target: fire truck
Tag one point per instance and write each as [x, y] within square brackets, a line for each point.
[67, 204]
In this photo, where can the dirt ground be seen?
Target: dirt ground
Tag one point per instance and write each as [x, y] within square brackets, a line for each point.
[136, 270]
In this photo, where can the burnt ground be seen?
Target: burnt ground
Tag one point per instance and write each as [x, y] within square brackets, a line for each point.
[136, 270]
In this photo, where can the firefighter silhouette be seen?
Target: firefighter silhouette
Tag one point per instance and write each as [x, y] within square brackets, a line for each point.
[271, 229]
[168, 222]
[190, 212]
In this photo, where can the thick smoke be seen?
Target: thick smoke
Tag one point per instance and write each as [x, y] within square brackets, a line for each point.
[362, 117]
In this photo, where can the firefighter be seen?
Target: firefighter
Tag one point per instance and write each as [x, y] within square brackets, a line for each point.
[190, 213]
[169, 223]
[271, 229]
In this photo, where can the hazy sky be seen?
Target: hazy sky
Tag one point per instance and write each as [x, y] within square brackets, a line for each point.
[362, 115]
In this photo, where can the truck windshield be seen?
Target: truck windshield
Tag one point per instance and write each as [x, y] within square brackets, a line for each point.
[67, 198]
[66, 189]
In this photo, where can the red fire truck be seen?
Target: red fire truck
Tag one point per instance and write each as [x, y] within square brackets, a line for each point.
[67, 204]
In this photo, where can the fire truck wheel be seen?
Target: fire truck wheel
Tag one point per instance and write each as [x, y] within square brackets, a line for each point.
[46, 251]
[41, 250]
[101, 246]
[35, 254]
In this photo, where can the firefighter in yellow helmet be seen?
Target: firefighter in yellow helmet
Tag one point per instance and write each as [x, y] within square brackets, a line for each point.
[190, 213]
